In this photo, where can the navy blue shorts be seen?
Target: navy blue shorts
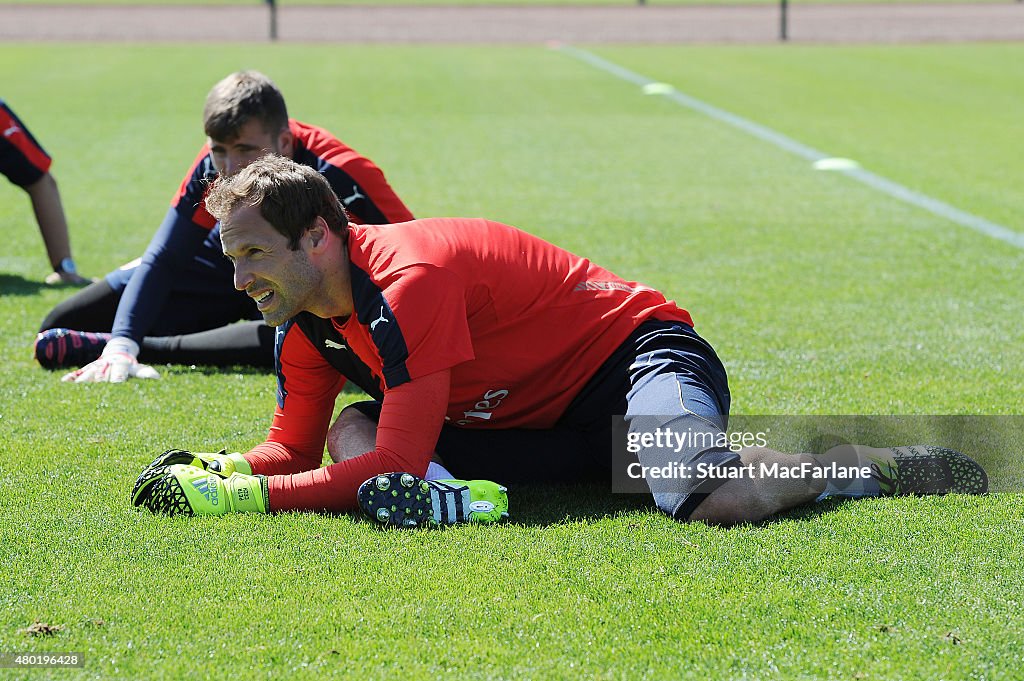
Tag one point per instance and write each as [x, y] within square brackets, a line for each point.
[24, 163]
[663, 375]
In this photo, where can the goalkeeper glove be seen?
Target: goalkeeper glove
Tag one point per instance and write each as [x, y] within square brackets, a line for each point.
[188, 490]
[116, 365]
[221, 463]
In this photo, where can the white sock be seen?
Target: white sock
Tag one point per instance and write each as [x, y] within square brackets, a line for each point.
[849, 457]
[436, 471]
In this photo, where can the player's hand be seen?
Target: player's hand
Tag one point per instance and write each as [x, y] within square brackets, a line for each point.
[221, 463]
[116, 365]
[187, 490]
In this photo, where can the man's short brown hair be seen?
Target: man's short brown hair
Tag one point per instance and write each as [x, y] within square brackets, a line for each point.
[290, 197]
[239, 98]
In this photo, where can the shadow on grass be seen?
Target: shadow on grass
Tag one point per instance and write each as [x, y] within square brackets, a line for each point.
[536, 504]
[17, 285]
[549, 505]
[202, 370]
[811, 511]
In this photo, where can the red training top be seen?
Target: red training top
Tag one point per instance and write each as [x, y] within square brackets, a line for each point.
[465, 321]
[358, 182]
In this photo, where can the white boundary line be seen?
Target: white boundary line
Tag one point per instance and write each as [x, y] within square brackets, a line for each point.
[877, 182]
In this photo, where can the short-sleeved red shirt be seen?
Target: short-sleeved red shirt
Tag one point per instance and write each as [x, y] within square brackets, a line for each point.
[521, 323]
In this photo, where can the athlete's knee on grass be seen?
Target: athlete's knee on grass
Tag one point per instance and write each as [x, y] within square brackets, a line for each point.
[753, 493]
[683, 481]
[725, 503]
[353, 433]
[733, 503]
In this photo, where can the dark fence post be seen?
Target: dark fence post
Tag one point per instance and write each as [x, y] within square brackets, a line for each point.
[783, 20]
[272, 4]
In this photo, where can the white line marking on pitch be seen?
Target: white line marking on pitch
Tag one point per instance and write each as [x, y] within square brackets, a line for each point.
[821, 160]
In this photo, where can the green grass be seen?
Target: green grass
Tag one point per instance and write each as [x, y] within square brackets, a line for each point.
[887, 327]
[822, 296]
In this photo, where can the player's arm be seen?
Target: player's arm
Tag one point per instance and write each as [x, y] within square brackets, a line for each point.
[267, 477]
[53, 225]
[307, 387]
[172, 249]
[416, 396]
[25, 163]
[183, 482]
[168, 254]
[411, 418]
[410, 421]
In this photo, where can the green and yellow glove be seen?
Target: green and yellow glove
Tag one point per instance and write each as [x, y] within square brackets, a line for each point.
[221, 463]
[189, 490]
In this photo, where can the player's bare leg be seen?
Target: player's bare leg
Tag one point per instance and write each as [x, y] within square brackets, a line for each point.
[352, 434]
[753, 498]
[888, 471]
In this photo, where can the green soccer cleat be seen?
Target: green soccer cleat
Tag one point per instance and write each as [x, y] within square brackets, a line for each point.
[187, 490]
[405, 500]
[924, 469]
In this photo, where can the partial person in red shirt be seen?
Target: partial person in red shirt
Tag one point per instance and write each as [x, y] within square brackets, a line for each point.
[177, 304]
[507, 356]
[26, 164]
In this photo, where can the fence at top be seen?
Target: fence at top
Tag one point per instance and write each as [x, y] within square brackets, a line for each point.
[484, 22]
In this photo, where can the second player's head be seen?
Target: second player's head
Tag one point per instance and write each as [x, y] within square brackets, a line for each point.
[290, 196]
[245, 117]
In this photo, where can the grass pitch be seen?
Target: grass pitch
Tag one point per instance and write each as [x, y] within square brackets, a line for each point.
[822, 297]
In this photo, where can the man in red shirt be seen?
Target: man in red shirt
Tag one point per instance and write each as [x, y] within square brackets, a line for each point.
[504, 354]
[176, 304]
